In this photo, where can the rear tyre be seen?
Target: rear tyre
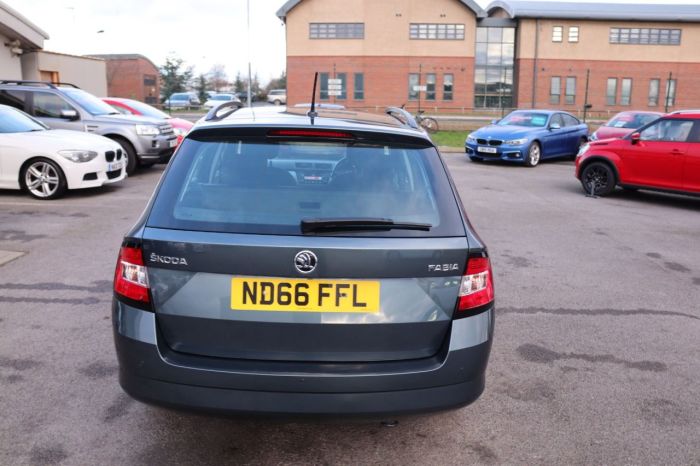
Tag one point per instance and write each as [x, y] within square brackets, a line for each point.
[277, 102]
[129, 153]
[598, 179]
[430, 125]
[43, 179]
[534, 153]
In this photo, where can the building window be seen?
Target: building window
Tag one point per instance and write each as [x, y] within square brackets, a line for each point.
[447, 86]
[645, 36]
[425, 31]
[413, 83]
[611, 92]
[149, 80]
[557, 33]
[359, 86]
[323, 86]
[493, 67]
[337, 30]
[555, 90]
[570, 96]
[654, 85]
[343, 85]
[430, 93]
[573, 34]
[670, 92]
[626, 91]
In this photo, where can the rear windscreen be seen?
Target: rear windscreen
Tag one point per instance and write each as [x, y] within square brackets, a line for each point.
[270, 186]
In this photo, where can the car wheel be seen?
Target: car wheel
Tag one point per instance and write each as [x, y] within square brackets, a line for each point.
[598, 179]
[43, 179]
[534, 153]
[129, 153]
[277, 102]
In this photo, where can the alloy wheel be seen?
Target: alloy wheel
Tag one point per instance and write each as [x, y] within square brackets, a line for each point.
[41, 179]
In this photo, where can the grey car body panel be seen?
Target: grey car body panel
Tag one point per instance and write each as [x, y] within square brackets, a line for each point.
[193, 303]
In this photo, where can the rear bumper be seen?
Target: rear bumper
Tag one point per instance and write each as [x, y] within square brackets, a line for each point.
[154, 374]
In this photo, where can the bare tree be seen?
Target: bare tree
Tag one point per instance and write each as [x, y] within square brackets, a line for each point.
[218, 79]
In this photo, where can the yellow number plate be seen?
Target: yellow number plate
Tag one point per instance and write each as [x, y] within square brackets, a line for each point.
[283, 294]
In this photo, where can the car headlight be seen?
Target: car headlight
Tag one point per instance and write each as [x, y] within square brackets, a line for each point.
[583, 149]
[471, 139]
[515, 142]
[147, 130]
[78, 156]
[593, 137]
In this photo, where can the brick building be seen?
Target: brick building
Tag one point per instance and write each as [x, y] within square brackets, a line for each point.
[452, 55]
[132, 76]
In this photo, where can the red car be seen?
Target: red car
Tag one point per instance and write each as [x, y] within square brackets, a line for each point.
[623, 124]
[664, 155]
[134, 107]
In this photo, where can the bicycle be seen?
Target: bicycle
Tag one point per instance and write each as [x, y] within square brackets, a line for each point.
[428, 123]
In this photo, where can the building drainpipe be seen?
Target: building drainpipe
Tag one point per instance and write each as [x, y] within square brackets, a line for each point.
[534, 63]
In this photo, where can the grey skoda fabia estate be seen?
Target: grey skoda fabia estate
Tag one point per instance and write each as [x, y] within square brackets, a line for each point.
[294, 265]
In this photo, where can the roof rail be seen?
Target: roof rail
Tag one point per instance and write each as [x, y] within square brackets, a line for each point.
[403, 116]
[44, 83]
[213, 114]
[687, 110]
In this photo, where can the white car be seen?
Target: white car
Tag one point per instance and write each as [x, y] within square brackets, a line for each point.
[217, 99]
[47, 162]
[277, 97]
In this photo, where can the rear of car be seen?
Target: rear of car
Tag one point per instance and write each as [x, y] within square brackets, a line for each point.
[277, 97]
[304, 271]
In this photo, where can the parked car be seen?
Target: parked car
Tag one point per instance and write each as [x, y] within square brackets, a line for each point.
[295, 266]
[182, 100]
[144, 140]
[218, 99]
[47, 162]
[135, 107]
[243, 97]
[527, 137]
[623, 124]
[277, 97]
[663, 155]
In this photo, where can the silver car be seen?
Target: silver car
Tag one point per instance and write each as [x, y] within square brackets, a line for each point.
[304, 265]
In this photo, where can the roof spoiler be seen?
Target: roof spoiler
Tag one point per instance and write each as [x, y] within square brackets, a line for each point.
[403, 116]
[215, 115]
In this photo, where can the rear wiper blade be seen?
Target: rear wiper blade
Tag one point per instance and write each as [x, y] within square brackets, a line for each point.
[351, 224]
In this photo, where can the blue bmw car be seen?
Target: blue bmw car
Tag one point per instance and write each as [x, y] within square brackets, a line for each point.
[528, 136]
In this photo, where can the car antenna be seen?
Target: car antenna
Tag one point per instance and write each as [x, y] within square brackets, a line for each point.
[312, 113]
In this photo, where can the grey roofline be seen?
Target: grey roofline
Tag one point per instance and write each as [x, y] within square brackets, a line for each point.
[658, 12]
[290, 4]
[12, 13]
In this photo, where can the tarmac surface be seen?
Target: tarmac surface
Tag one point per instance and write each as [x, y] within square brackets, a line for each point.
[596, 357]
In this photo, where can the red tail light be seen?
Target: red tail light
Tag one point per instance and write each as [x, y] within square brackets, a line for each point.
[305, 133]
[476, 289]
[130, 278]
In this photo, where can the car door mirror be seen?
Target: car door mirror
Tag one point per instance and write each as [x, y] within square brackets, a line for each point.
[71, 115]
[635, 138]
[555, 126]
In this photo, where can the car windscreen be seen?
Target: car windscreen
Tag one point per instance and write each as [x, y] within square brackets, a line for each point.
[631, 121]
[530, 119]
[270, 187]
[89, 102]
[14, 121]
[147, 110]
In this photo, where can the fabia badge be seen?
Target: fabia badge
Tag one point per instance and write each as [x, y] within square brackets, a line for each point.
[305, 261]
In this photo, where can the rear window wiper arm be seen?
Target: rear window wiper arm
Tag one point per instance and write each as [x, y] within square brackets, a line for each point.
[309, 225]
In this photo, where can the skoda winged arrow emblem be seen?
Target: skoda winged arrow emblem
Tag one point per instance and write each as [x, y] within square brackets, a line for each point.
[305, 261]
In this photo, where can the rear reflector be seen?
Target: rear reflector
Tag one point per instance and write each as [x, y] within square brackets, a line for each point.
[130, 278]
[305, 133]
[476, 289]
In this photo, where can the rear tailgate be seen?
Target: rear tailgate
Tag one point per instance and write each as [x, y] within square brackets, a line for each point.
[199, 311]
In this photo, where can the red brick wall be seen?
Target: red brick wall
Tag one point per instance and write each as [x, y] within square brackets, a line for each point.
[687, 77]
[125, 78]
[386, 80]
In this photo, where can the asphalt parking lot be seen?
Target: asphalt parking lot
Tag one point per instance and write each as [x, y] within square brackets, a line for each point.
[596, 357]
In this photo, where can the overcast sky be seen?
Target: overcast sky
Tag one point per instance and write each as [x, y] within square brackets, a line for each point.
[202, 32]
